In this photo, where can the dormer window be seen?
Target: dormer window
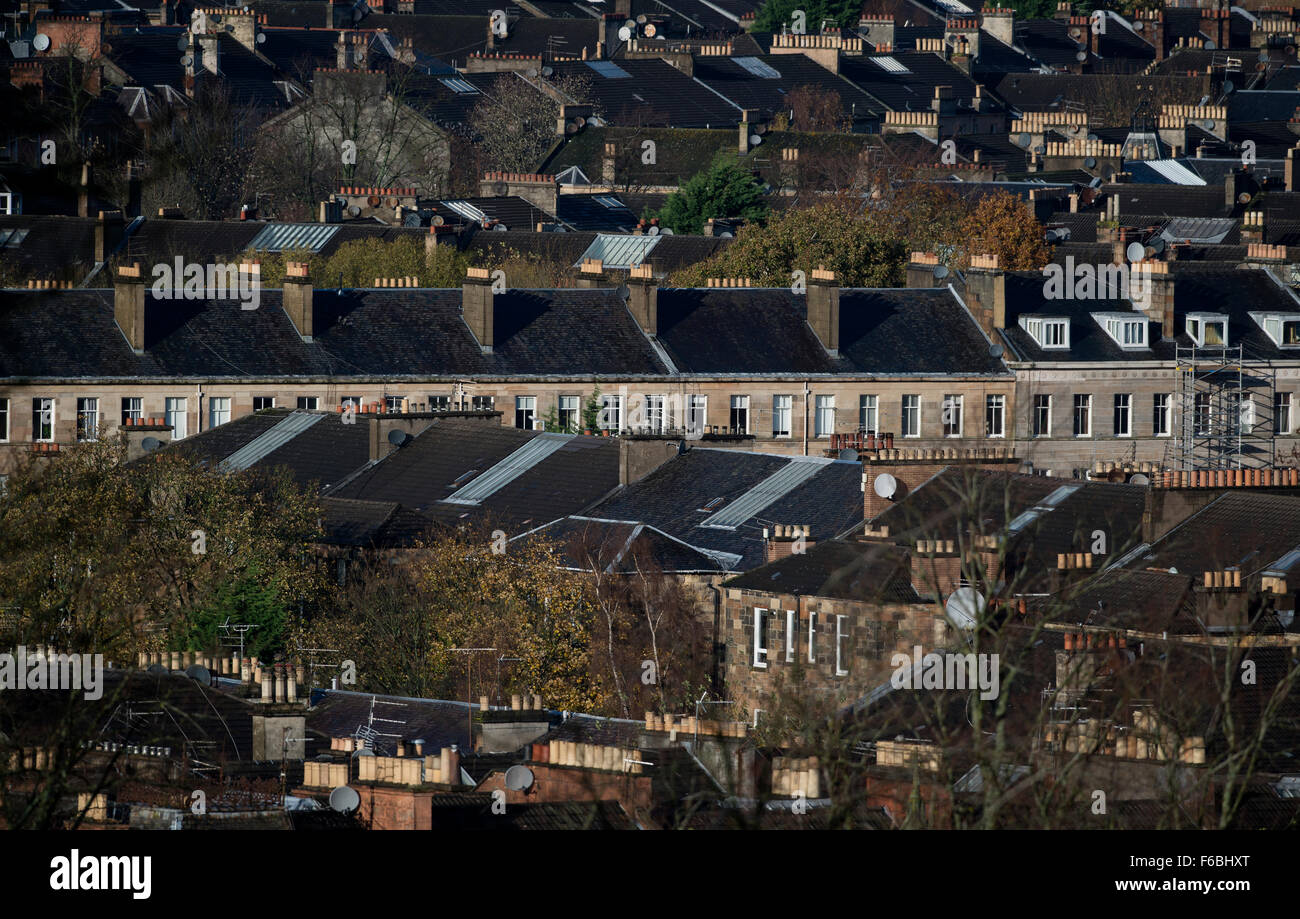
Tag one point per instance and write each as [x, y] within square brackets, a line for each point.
[1129, 331]
[1047, 332]
[1282, 328]
[1208, 330]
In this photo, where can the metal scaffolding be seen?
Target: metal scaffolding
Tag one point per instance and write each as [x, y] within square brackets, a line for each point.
[1226, 405]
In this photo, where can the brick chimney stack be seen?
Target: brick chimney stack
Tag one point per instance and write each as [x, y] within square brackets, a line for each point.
[824, 309]
[477, 306]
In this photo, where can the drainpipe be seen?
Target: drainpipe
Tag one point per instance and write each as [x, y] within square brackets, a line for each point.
[807, 390]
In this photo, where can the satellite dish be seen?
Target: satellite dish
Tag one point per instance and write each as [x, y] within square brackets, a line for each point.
[755, 140]
[374, 201]
[1023, 140]
[580, 122]
[624, 292]
[650, 30]
[151, 443]
[667, 231]
[1040, 148]
[1108, 172]
[261, 38]
[996, 350]
[398, 438]
[344, 799]
[519, 778]
[364, 751]
[885, 485]
[157, 670]
[182, 43]
[1158, 244]
[1139, 479]
[41, 42]
[354, 210]
[200, 675]
[641, 20]
[1089, 162]
[1092, 137]
[940, 272]
[964, 606]
[411, 220]
[1211, 46]
[187, 61]
[1136, 252]
[1263, 57]
[849, 455]
[1075, 33]
[548, 71]
[1243, 198]
[1137, 26]
[653, 231]
[500, 228]
[436, 220]
[624, 33]
[1081, 56]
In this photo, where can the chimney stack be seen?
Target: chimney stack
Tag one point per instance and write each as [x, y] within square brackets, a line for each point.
[296, 298]
[824, 308]
[109, 231]
[476, 306]
[128, 305]
[643, 299]
[986, 292]
[592, 274]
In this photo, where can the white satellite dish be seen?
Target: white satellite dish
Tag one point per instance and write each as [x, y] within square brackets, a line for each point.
[885, 485]
[1136, 252]
[41, 42]
[964, 606]
[519, 778]
[1139, 479]
[624, 33]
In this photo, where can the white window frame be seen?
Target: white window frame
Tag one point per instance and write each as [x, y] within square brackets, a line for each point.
[697, 414]
[5, 417]
[611, 412]
[995, 406]
[525, 406]
[824, 415]
[570, 406]
[791, 626]
[176, 413]
[1202, 411]
[1275, 325]
[840, 635]
[87, 433]
[1086, 404]
[1049, 333]
[483, 403]
[130, 411]
[1281, 407]
[760, 647]
[393, 403]
[868, 414]
[812, 636]
[43, 406]
[950, 402]
[1162, 414]
[1041, 401]
[215, 414]
[308, 403]
[911, 403]
[1197, 324]
[257, 399]
[782, 411]
[1127, 331]
[1126, 407]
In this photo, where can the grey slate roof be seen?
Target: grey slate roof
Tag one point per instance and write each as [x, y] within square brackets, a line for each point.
[838, 569]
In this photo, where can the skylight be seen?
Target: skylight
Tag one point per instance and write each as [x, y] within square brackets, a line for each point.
[609, 70]
[1045, 506]
[776, 486]
[610, 202]
[466, 210]
[509, 469]
[891, 64]
[11, 239]
[758, 68]
[457, 85]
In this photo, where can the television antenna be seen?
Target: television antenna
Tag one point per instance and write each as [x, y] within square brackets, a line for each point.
[469, 682]
[233, 634]
[367, 731]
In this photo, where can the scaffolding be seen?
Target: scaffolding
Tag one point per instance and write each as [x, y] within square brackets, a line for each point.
[1226, 405]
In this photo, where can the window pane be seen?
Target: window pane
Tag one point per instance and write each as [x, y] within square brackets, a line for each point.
[781, 406]
[1282, 413]
[868, 414]
[87, 419]
[740, 414]
[994, 416]
[911, 420]
[4, 419]
[42, 419]
[568, 414]
[1082, 415]
[218, 411]
[132, 409]
[1160, 414]
[825, 420]
[309, 403]
[525, 409]
[176, 416]
[952, 413]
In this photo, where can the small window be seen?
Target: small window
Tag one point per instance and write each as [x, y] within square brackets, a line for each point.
[1282, 413]
[697, 414]
[218, 411]
[995, 412]
[1082, 415]
[1201, 414]
[911, 420]
[308, 403]
[712, 506]
[760, 638]
[87, 419]
[840, 635]
[656, 420]
[132, 410]
[439, 403]
[1160, 414]
[740, 414]
[868, 414]
[1123, 414]
[262, 403]
[178, 417]
[611, 413]
[568, 413]
[4, 419]
[812, 636]
[791, 634]
[483, 403]
[952, 416]
[1208, 330]
[525, 411]
[1042, 418]
[781, 415]
[825, 418]
[1047, 333]
[393, 403]
[43, 419]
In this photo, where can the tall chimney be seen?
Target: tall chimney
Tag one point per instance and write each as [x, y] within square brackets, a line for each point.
[643, 299]
[296, 298]
[476, 306]
[986, 291]
[109, 230]
[128, 305]
[1160, 299]
[824, 309]
[83, 195]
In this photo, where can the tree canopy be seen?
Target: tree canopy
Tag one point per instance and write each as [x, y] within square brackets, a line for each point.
[722, 190]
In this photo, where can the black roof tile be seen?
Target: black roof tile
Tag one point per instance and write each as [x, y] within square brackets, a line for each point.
[839, 569]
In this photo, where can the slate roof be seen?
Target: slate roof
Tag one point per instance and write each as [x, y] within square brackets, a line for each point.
[910, 91]
[1251, 530]
[1127, 598]
[672, 497]
[712, 330]
[624, 546]
[1170, 200]
[437, 462]
[372, 524]
[455, 38]
[53, 247]
[1262, 105]
[838, 569]
[653, 93]
[728, 77]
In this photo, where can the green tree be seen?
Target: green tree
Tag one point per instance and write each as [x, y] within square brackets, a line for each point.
[247, 598]
[591, 410]
[777, 15]
[722, 190]
[831, 234]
